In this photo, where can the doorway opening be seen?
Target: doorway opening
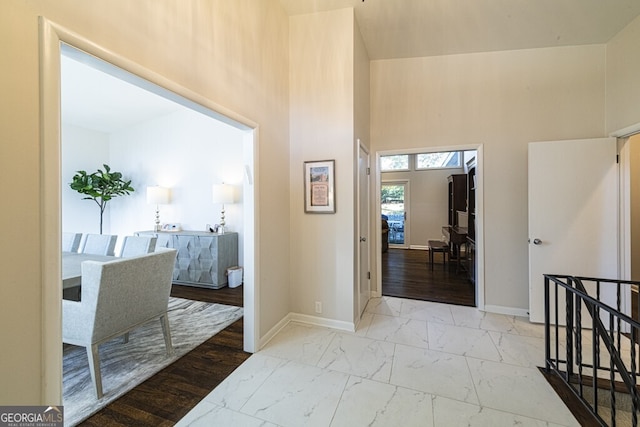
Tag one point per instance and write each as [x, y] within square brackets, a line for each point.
[416, 207]
[53, 38]
[393, 204]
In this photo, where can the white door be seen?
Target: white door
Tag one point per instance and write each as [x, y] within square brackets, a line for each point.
[573, 213]
[365, 242]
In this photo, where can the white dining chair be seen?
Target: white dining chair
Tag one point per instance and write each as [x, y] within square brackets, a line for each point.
[138, 245]
[99, 244]
[71, 241]
[117, 297]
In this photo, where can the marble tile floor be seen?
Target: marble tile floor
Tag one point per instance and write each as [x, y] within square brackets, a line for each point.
[410, 363]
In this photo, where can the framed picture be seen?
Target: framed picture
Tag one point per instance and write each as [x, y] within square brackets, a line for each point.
[319, 187]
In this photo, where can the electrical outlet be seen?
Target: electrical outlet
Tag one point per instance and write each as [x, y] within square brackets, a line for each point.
[318, 307]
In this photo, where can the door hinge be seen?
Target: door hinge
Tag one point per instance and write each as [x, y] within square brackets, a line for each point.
[368, 171]
[617, 158]
[368, 275]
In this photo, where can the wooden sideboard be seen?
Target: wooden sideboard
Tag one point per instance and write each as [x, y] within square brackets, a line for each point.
[202, 259]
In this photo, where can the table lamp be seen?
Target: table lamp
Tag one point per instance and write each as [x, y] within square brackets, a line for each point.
[157, 195]
[222, 193]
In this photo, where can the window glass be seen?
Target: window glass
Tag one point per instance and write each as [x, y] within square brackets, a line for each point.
[450, 159]
[399, 162]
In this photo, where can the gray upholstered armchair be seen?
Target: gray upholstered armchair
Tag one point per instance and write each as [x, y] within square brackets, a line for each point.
[118, 296]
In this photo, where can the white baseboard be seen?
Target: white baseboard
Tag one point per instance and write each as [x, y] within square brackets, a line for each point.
[351, 327]
[321, 321]
[274, 331]
[306, 319]
[419, 247]
[509, 311]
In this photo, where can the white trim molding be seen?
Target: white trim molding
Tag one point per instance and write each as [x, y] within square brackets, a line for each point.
[509, 311]
[51, 37]
[323, 322]
[274, 331]
[307, 320]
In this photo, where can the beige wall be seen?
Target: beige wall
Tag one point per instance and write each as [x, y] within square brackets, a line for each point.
[235, 53]
[20, 306]
[502, 100]
[623, 81]
[322, 128]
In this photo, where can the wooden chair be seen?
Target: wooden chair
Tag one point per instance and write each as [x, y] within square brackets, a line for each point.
[438, 246]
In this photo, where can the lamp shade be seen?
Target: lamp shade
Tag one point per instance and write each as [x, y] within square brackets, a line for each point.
[222, 193]
[157, 195]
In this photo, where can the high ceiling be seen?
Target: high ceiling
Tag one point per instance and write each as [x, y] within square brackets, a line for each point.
[94, 99]
[391, 29]
[414, 28]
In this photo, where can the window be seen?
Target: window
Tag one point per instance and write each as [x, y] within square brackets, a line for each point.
[444, 160]
[399, 162]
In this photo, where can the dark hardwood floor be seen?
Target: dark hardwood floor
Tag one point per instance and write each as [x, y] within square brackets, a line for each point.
[169, 395]
[406, 273]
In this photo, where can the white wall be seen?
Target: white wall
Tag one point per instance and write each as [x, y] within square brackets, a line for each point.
[184, 151]
[502, 100]
[322, 128]
[188, 153]
[87, 150]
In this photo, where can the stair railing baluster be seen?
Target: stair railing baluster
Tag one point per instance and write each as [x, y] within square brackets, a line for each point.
[608, 336]
[634, 390]
[569, 332]
[579, 343]
[555, 319]
[612, 375]
[618, 318]
[594, 384]
[547, 327]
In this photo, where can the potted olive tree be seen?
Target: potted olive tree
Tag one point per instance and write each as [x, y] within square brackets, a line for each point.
[101, 186]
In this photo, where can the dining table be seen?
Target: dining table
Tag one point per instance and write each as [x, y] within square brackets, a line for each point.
[72, 267]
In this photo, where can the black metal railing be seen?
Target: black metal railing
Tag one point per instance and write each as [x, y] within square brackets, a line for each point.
[598, 357]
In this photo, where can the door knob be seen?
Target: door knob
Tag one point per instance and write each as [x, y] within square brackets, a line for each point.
[537, 241]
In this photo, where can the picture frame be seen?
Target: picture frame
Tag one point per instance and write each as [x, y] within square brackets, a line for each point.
[319, 187]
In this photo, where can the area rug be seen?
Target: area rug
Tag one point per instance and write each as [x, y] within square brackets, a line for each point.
[125, 365]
